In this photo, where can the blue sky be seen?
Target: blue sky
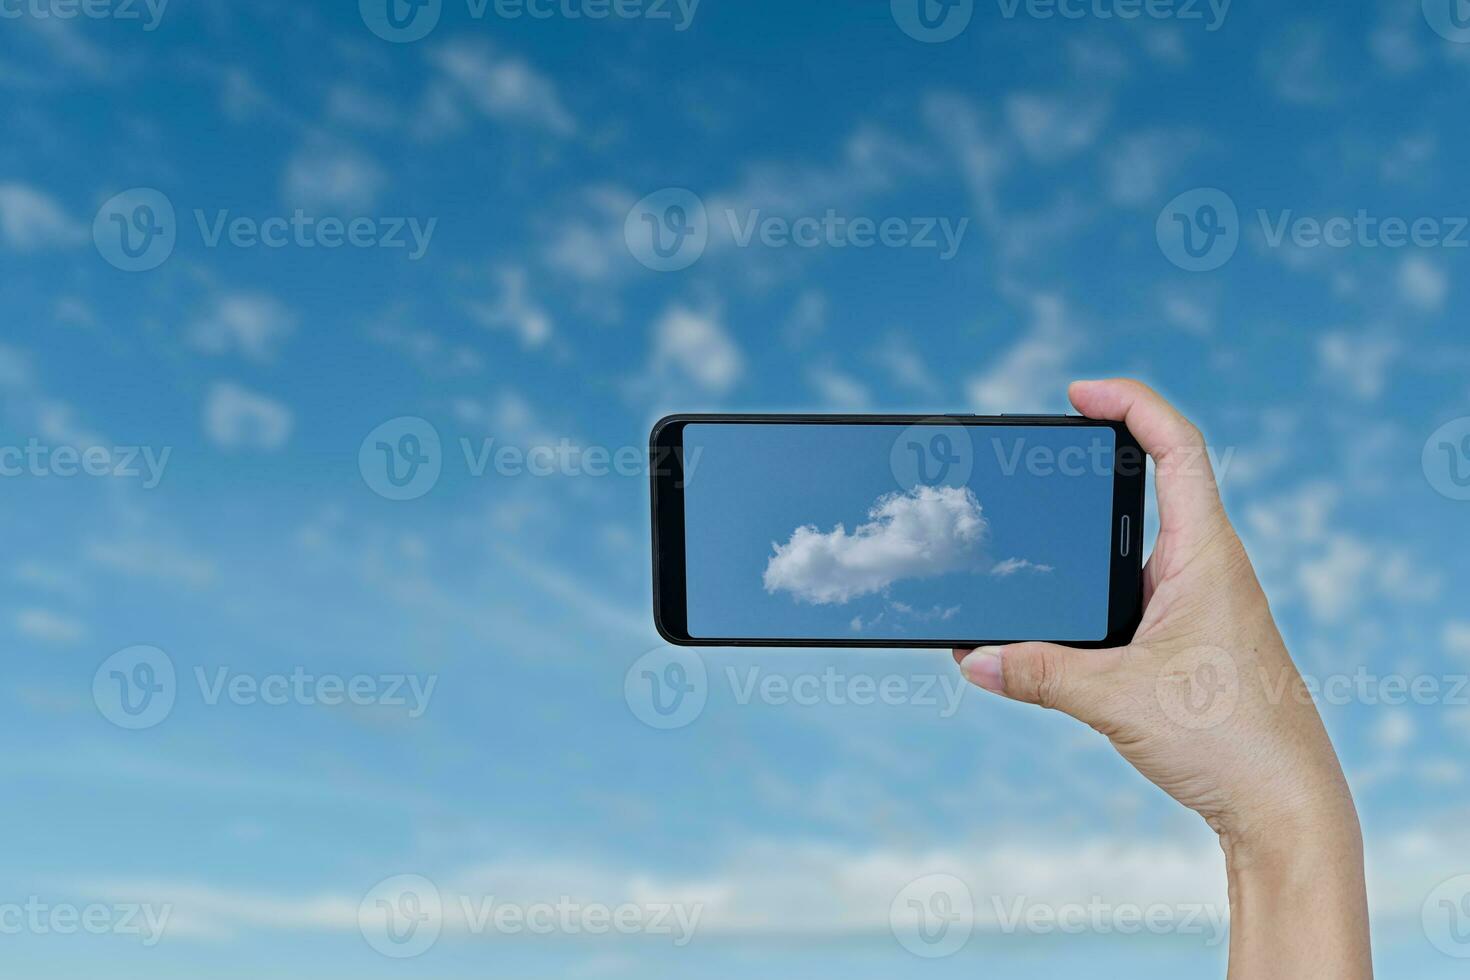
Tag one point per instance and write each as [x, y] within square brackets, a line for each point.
[1026, 555]
[1068, 157]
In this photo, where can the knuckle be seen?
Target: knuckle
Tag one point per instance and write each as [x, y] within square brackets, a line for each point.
[1046, 678]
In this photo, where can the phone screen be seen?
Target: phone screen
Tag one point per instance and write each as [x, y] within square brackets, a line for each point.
[891, 532]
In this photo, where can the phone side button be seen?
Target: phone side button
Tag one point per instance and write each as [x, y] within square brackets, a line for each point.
[1125, 539]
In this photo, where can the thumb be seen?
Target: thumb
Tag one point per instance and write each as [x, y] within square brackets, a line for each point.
[1052, 676]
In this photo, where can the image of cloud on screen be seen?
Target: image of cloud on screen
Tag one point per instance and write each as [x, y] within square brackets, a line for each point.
[924, 533]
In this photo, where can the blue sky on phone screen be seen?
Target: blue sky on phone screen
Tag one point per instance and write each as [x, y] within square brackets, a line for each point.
[806, 531]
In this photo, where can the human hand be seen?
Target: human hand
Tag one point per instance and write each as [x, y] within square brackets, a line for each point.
[1205, 701]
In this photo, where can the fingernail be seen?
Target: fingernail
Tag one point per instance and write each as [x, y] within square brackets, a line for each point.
[983, 668]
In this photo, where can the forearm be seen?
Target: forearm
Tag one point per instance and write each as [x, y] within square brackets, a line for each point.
[1298, 904]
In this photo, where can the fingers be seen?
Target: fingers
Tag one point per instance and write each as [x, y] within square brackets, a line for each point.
[1188, 495]
[1071, 681]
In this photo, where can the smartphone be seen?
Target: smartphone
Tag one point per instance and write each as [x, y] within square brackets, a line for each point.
[895, 531]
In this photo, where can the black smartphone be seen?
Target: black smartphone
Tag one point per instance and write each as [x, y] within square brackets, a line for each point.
[895, 531]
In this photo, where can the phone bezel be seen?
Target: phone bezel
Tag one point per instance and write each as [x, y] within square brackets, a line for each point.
[666, 472]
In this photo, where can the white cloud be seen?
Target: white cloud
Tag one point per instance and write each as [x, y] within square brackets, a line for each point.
[1456, 638]
[591, 249]
[1395, 729]
[324, 179]
[982, 149]
[926, 532]
[499, 86]
[697, 347]
[1053, 128]
[144, 554]
[838, 389]
[1297, 549]
[1357, 363]
[1033, 373]
[251, 324]
[1298, 67]
[897, 356]
[515, 310]
[48, 627]
[31, 220]
[795, 889]
[1187, 310]
[237, 418]
[1138, 165]
[1009, 567]
[1423, 284]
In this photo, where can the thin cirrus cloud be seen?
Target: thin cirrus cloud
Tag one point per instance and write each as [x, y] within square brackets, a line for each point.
[925, 532]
